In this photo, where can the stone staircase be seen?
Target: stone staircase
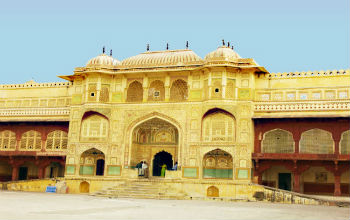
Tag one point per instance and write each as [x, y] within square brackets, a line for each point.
[140, 190]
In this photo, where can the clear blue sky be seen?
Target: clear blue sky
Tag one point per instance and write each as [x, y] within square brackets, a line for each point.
[42, 39]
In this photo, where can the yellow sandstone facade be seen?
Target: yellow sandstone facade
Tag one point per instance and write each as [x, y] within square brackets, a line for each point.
[161, 107]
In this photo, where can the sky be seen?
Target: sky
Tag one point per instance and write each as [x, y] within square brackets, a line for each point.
[42, 39]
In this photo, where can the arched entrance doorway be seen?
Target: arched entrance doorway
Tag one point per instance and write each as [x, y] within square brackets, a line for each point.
[153, 136]
[159, 160]
[92, 162]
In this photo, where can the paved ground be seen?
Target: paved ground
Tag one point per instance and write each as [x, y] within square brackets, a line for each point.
[24, 205]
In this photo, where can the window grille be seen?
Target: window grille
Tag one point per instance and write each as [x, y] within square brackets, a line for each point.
[31, 140]
[278, 141]
[155, 87]
[218, 126]
[95, 126]
[57, 140]
[92, 91]
[135, 92]
[216, 88]
[316, 141]
[345, 142]
[179, 90]
[7, 140]
[104, 94]
[230, 89]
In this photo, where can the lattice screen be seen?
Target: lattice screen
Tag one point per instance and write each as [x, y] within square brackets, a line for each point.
[345, 142]
[316, 141]
[95, 126]
[179, 90]
[218, 127]
[104, 94]
[135, 92]
[230, 89]
[206, 89]
[92, 92]
[7, 140]
[156, 91]
[216, 90]
[31, 140]
[277, 141]
[57, 140]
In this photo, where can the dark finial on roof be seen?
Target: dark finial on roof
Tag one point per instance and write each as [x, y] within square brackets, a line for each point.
[228, 44]
[103, 49]
[167, 46]
[232, 47]
[186, 44]
[110, 52]
[223, 42]
[147, 47]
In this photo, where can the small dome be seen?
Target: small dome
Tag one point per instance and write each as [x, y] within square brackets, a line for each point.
[223, 53]
[103, 60]
[163, 58]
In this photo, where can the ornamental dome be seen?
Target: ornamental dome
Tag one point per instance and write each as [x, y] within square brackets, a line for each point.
[102, 60]
[223, 53]
[163, 58]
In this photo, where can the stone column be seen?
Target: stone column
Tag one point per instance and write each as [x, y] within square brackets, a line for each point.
[15, 170]
[337, 190]
[296, 182]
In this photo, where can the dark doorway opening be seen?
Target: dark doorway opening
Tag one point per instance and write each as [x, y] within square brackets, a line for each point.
[100, 165]
[23, 173]
[284, 181]
[160, 159]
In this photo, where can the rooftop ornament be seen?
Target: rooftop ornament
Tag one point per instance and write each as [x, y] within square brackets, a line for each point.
[186, 44]
[103, 49]
[110, 53]
[147, 47]
[167, 46]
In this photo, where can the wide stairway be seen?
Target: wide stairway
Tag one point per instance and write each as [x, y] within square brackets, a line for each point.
[141, 190]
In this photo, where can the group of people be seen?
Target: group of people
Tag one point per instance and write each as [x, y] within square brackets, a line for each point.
[142, 168]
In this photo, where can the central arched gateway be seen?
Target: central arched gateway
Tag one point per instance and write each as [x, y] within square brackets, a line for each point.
[154, 140]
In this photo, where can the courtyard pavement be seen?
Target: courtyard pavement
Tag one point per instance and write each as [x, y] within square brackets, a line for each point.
[28, 205]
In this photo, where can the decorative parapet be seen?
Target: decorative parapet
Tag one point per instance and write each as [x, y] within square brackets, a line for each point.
[302, 106]
[9, 112]
[32, 84]
[308, 74]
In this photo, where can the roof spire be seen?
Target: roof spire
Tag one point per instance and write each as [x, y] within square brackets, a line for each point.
[223, 42]
[232, 47]
[167, 46]
[228, 44]
[186, 44]
[110, 52]
[147, 47]
[103, 49]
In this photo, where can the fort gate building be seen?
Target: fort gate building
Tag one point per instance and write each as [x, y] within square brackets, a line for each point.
[226, 120]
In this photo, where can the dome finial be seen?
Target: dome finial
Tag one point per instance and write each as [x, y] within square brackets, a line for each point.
[186, 44]
[110, 52]
[167, 46]
[228, 44]
[147, 48]
[232, 47]
[103, 49]
[223, 42]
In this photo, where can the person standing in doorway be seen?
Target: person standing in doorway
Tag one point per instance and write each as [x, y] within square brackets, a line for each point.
[145, 169]
[175, 166]
[162, 172]
[139, 168]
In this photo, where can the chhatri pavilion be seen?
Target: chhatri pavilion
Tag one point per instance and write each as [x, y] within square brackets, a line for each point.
[228, 123]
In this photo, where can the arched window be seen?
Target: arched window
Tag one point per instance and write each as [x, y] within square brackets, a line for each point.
[94, 126]
[57, 140]
[156, 91]
[218, 126]
[230, 89]
[7, 140]
[216, 88]
[345, 142]
[217, 164]
[277, 141]
[178, 91]
[135, 92]
[31, 140]
[316, 141]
